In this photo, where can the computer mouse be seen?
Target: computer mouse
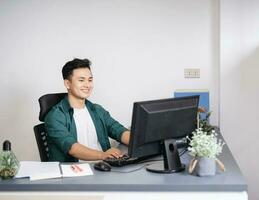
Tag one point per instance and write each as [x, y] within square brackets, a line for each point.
[102, 166]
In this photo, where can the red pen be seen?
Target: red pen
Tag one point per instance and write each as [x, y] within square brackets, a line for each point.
[76, 168]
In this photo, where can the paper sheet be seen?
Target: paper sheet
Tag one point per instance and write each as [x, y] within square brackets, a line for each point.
[77, 169]
[38, 170]
[46, 170]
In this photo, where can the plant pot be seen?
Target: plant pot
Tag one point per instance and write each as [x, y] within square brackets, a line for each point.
[206, 166]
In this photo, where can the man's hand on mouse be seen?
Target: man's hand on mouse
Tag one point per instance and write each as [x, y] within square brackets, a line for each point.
[112, 153]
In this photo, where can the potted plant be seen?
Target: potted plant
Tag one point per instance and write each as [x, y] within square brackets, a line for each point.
[205, 148]
[9, 165]
[204, 122]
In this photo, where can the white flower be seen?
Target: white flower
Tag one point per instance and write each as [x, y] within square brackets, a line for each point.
[205, 145]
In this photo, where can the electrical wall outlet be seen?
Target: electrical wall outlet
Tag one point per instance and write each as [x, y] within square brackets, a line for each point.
[192, 73]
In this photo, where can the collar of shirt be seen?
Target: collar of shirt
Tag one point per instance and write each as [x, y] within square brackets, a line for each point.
[68, 108]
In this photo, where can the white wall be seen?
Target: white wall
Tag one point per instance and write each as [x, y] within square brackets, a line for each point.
[239, 96]
[138, 48]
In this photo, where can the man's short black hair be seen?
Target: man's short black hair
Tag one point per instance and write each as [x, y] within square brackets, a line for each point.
[68, 68]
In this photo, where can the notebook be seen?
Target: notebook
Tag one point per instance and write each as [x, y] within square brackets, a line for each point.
[47, 170]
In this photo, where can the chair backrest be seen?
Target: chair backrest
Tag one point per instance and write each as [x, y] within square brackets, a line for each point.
[46, 103]
[41, 138]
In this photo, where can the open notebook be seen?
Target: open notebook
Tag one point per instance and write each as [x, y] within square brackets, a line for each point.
[46, 170]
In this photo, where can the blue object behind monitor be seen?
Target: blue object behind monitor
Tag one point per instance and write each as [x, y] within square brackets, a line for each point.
[203, 102]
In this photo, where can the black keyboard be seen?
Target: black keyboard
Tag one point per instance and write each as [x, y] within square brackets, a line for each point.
[122, 161]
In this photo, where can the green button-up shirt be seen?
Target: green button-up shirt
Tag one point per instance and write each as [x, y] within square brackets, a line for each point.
[61, 129]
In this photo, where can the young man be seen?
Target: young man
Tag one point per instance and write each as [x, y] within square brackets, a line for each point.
[78, 129]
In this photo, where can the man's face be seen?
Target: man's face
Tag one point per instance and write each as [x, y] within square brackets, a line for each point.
[80, 84]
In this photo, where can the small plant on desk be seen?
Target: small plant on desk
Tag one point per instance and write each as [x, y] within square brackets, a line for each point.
[204, 122]
[205, 148]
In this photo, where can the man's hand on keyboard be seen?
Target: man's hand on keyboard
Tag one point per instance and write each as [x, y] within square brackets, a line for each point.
[121, 161]
[112, 153]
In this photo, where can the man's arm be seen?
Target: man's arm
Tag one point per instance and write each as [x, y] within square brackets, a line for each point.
[125, 138]
[84, 153]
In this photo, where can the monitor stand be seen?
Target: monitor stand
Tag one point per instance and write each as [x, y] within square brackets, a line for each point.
[172, 162]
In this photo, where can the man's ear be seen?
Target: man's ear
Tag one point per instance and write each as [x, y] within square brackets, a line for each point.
[67, 83]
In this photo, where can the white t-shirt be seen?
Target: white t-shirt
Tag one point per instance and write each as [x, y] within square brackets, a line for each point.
[86, 133]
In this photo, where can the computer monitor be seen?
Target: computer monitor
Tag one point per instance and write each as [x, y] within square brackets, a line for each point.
[157, 125]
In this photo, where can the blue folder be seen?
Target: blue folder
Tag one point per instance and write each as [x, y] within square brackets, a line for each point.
[203, 102]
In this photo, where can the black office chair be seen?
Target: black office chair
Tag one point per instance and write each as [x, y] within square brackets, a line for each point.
[46, 103]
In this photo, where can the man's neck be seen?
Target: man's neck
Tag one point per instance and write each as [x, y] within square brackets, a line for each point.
[76, 102]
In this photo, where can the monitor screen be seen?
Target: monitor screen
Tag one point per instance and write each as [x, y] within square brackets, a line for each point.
[157, 124]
